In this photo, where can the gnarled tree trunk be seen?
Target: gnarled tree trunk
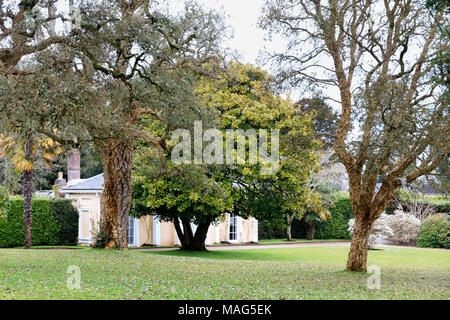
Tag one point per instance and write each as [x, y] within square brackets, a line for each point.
[367, 208]
[116, 157]
[357, 257]
[189, 240]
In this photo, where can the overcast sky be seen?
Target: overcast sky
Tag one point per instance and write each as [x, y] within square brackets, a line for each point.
[242, 16]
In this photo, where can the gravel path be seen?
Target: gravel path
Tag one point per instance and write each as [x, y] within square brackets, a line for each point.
[261, 246]
[281, 245]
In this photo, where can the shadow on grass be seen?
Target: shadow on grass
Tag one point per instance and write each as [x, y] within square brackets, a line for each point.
[273, 255]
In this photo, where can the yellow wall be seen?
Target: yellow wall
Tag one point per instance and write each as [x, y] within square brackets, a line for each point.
[225, 229]
[145, 230]
[167, 230]
[88, 201]
[247, 230]
[168, 234]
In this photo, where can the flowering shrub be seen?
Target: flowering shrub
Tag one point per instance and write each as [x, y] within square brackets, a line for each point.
[405, 227]
[380, 229]
[398, 227]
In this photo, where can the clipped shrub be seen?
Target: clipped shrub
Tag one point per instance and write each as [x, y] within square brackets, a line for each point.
[53, 223]
[267, 230]
[411, 201]
[434, 232]
[66, 216]
[443, 207]
[337, 226]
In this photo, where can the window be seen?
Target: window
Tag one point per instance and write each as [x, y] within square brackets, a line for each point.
[233, 227]
[131, 229]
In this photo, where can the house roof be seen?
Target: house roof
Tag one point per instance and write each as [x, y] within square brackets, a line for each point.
[420, 186]
[94, 184]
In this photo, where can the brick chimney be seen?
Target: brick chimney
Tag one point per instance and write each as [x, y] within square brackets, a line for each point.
[73, 165]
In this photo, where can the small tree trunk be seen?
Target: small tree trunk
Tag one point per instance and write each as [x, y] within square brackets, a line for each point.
[310, 231]
[289, 220]
[199, 240]
[179, 231]
[28, 192]
[27, 208]
[189, 241]
[357, 257]
[187, 237]
[116, 197]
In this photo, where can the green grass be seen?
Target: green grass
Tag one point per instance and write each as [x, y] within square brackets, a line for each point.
[283, 273]
[383, 256]
[284, 241]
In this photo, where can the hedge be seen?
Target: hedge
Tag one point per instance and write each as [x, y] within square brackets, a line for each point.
[54, 222]
[434, 232]
[440, 203]
[337, 226]
[334, 228]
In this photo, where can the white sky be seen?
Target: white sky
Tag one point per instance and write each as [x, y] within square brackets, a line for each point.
[242, 16]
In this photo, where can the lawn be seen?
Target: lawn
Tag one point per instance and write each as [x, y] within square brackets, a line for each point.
[282, 273]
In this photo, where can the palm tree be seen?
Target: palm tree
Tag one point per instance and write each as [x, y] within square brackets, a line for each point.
[312, 217]
[23, 151]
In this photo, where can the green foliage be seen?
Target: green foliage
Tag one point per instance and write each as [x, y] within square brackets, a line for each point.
[4, 200]
[337, 226]
[194, 193]
[325, 119]
[441, 203]
[244, 99]
[270, 230]
[66, 216]
[54, 222]
[101, 238]
[434, 232]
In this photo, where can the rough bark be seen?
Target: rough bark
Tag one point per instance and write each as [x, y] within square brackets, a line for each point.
[357, 257]
[27, 209]
[189, 240]
[28, 192]
[355, 42]
[310, 231]
[367, 208]
[116, 157]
